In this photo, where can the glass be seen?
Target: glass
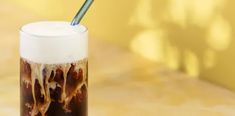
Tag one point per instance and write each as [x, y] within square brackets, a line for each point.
[53, 69]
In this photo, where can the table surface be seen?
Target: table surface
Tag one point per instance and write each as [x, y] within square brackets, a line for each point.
[123, 84]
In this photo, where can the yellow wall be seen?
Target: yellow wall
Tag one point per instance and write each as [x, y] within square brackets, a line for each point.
[194, 36]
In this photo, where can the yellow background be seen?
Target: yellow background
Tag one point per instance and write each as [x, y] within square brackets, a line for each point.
[193, 36]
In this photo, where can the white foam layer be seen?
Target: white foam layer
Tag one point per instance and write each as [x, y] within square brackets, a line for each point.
[53, 42]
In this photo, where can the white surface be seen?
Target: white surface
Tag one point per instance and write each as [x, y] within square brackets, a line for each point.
[53, 42]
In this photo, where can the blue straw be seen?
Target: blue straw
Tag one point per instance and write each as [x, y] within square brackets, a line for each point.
[77, 19]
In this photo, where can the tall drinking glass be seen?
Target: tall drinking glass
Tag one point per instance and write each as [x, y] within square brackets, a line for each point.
[53, 69]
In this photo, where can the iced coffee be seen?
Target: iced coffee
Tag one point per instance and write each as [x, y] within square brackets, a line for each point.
[53, 69]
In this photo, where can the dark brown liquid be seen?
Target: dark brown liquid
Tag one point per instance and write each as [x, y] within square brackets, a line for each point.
[53, 89]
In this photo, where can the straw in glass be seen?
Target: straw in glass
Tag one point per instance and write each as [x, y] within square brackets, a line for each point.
[78, 17]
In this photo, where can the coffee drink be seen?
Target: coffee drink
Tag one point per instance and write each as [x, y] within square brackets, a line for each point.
[53, 69]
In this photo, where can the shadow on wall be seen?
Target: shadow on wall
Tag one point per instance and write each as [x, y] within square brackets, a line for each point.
[194, 36]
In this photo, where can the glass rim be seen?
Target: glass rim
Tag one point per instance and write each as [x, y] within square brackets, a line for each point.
[22, 31]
